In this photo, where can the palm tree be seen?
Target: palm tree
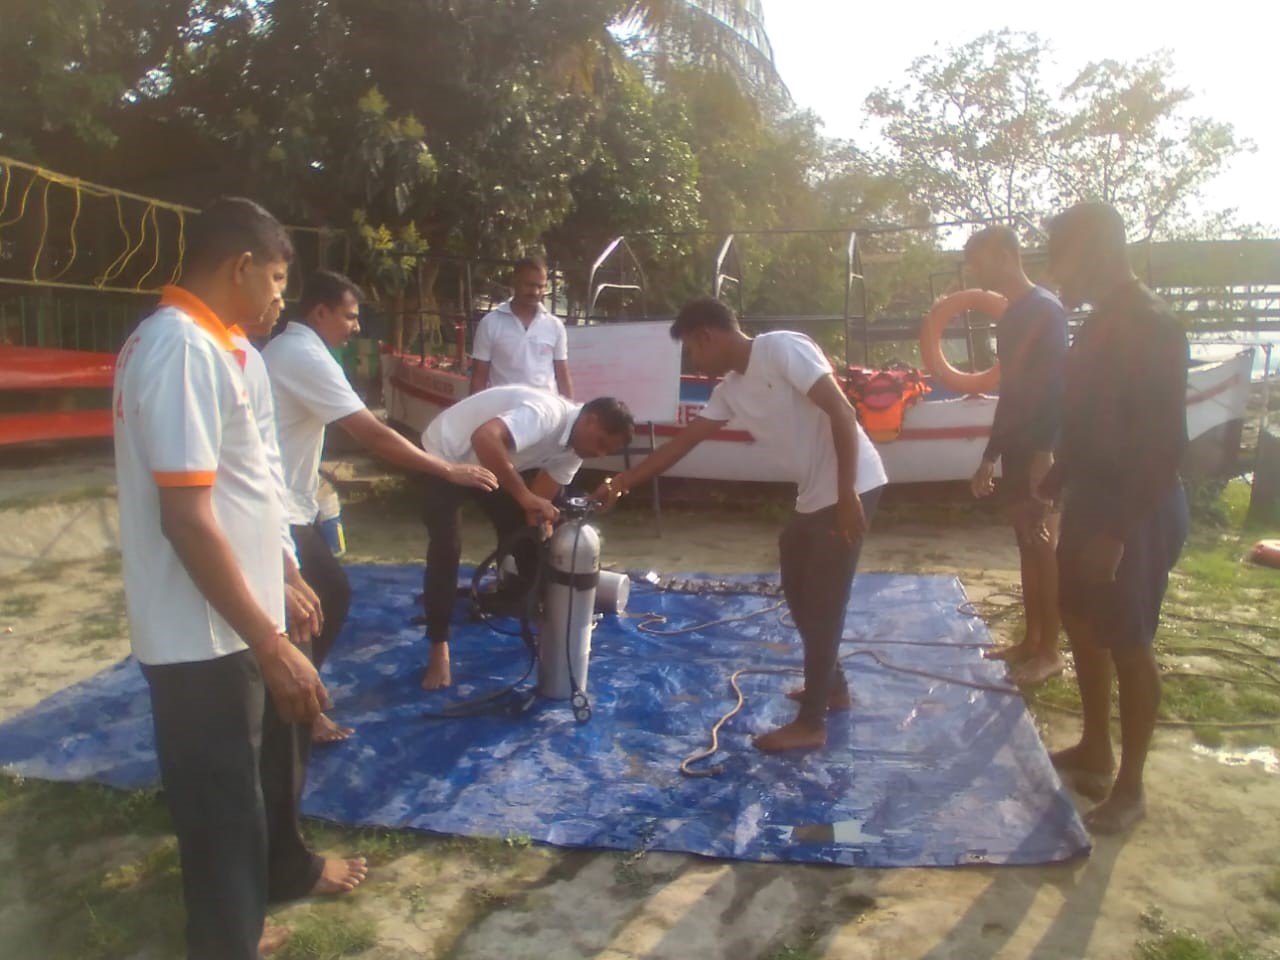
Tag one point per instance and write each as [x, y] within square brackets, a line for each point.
[728, 34]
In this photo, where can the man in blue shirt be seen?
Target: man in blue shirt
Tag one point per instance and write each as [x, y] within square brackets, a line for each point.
[1031, 341]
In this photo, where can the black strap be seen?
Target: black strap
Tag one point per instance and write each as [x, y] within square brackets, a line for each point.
[579, 581]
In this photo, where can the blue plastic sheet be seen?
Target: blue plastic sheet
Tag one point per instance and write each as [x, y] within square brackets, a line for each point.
[922, 772]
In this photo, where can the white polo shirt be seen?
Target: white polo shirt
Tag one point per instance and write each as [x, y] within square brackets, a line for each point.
[540, 424]
[264, 411]
[310, 392]
[771, 401]
[183, 417]
[517, 354]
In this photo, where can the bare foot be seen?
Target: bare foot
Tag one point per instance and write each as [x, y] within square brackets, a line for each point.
[1038, 669]
[324, 730]
[1119, 813]
[791, 737]
[838, 702]
[273, 938]
[1086, 772]
[1014, 654]
[340, 876]
[438, 675]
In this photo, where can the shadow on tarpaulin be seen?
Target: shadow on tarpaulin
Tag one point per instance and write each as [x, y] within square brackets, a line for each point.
[923, 771]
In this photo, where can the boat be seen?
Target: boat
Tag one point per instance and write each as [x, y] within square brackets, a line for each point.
[52, 394]
[942, 438]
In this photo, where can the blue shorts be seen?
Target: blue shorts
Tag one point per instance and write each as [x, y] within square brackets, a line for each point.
[1125, 613]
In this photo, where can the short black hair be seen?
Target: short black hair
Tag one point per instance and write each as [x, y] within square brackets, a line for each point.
[704, 313]
[229, 227]
[614, 416]
[326, 288]
[997, 235]
[1096, 223]
[528, 263]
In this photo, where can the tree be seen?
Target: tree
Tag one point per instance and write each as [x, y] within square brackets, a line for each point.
[1125, 140]
[71, 68]
[723, 35]
[968, 131]
[978, 133]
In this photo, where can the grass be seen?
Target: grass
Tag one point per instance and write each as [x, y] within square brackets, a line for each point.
[804, 947]
[1168, 942]
[18, 605]
[32, 501]
[1186, 945]
[375, 844]
[329, 934]
[98, 866]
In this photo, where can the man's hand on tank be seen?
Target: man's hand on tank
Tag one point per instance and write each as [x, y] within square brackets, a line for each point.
[608, 493]
[539, 511]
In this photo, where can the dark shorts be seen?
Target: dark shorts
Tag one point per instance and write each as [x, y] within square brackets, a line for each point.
[1125, 613]
[1015, 476]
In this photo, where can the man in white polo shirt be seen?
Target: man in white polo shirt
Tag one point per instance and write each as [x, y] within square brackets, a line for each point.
[521, 342]
[779, 386]
[509, 430]
[200, 530]
[311, 392]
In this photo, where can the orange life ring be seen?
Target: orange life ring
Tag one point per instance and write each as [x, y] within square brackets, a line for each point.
[943, 312]
[1267, 553]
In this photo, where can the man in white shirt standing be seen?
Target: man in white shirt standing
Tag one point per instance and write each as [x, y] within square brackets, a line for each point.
[780, 387]
[200, 530]
[311, 392]
[510, 430]
[521, 341]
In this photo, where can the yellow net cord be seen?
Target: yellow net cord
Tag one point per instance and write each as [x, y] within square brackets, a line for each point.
[160, 237]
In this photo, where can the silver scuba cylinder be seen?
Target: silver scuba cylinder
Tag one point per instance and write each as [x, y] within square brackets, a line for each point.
[573, 561]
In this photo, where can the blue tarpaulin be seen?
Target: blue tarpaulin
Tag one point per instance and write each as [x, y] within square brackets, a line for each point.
[922, 771]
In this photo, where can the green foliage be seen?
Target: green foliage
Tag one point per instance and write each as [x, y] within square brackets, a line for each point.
[491, 128]
[1169, 942]
[979, 133]
[329, 935]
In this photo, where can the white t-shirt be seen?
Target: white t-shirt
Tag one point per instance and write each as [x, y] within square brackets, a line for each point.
[771, 401]
[183, 417]
[264, 411]
[519, 355]
[311, 392]
[540, 423]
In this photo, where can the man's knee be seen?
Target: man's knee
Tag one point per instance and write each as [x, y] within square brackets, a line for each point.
[1136, 658]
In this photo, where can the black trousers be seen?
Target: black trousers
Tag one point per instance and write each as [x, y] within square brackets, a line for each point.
[232, 773]
[442, 513]
[321, 569]
[817, 575]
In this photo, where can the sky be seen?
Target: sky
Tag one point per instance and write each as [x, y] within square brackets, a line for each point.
[832, 53]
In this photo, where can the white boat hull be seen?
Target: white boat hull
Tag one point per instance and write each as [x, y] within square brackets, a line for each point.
[941, 440]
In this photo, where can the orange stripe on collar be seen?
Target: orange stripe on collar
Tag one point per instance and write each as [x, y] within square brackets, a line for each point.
[199, 312]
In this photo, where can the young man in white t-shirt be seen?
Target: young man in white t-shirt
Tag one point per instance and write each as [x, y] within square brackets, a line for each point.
[521, 342]
[311, 392]
[200, 530]
[511, 430]
[780, 387]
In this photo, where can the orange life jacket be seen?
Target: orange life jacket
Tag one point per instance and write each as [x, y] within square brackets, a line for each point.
[882, 398]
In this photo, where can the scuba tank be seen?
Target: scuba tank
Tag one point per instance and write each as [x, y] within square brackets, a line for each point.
[568, 610]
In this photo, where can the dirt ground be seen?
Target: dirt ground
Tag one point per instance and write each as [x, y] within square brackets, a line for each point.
[1202, 858]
